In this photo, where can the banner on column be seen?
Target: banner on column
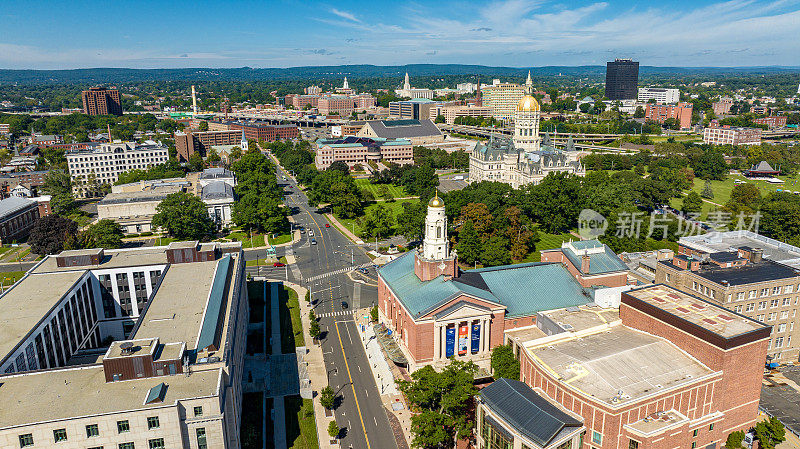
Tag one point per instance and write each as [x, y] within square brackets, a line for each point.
[463, 339]
[476, 338]
[450, 342]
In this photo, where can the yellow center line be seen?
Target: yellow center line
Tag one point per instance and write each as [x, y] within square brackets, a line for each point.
[346, 365]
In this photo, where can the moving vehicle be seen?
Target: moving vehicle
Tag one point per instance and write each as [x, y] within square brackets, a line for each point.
[313, 241]
[279, 264]
[344, 305]
[327, 225]
[311, 233]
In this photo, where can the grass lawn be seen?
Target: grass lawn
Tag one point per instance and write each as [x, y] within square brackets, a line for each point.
[162, 241]
[722, 189]
[255, 263]
[289, 308]
[395, 207]
[548, 241]
[301, 429]
[252, 415]
[394, 190]
[280, 239]
[8, 278]
[258, 239]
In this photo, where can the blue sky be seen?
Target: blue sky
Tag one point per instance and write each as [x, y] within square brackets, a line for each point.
[521, 33]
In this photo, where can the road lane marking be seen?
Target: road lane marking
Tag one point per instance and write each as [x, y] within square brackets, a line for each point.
[358, 407]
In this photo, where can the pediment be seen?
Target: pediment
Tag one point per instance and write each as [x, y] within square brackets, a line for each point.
[461, 309]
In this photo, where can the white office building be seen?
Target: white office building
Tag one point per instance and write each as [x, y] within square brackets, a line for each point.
[660, 95]
[104, 162]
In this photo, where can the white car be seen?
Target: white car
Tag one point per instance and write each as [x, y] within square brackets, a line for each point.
[310, 233]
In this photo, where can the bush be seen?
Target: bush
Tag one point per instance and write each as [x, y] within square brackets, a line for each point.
[327, 397]
[373, 314]
[146, 234]
[333, 429]
[734, 440]
[128, 236]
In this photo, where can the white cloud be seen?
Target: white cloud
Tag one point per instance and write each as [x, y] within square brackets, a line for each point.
[345, 15]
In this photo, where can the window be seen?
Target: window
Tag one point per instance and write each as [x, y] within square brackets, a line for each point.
[198, 411]
[694, 444]
[123, 426]
[152, 423]
[92, 431]
[597, 438]
[694, 434]
[738, 309]
[26, 440]
[60, 435]
[740, 296]
[776, 290]
[633, 444]
[762, 305]
[764, 291]
[126, 446]
[774, 303]
[157, 443]
[752, 294]
[782, 327]
[779, 342]
[711, 427]
[201, 438]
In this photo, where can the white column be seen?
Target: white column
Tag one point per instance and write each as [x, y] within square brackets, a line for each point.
[436, 341]
[486, 332]
[469, 338]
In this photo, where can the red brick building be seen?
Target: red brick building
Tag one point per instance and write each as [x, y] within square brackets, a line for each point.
[101, 101]
[715, 134]
[773, 121]
[437, 312]
[661, 112]
[672, 371]
[17, 216]
[186, 144]
[265, 132]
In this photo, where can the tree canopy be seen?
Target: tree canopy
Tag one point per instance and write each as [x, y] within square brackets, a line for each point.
[49, 234]
[183, 216]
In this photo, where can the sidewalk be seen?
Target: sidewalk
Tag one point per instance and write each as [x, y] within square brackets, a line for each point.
[343, 229]
[279, 418]
[316, 369]
[386, 374]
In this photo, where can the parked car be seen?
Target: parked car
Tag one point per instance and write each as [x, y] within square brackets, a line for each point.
[279, 264]
[311, 233]
[344, 305]
[313, 241]
[327, 225]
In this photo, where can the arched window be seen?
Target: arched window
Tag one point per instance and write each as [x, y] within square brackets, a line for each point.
[438, 232]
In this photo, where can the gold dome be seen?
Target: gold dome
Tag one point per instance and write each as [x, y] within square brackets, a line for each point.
[528, 104]
[436, 202]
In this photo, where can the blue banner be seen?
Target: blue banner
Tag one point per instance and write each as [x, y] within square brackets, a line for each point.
[476, 338]
[450, 342]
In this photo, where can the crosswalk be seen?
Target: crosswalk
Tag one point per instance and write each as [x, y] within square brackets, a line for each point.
[330, 314]
[339, 271]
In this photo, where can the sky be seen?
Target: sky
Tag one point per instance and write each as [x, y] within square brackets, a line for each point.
[47, 34]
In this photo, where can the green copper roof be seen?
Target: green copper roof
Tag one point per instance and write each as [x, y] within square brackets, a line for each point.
[523, 289]
[216, 299]
[606, 261]
[156, 394]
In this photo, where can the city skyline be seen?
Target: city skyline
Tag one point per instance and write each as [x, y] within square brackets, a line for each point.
[515, 33]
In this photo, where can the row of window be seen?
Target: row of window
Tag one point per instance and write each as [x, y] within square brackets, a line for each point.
[92, 430]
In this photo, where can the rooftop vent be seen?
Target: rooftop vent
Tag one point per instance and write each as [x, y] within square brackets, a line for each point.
[156, 394]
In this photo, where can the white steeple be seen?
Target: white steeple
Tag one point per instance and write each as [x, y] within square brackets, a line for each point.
[345, 86]
[435, 246]
[407, 83]
[528, 83]
[245, 144]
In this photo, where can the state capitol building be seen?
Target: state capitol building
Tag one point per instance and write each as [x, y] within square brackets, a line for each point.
[525, 159]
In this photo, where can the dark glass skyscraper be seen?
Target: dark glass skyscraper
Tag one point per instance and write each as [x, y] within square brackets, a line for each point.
[622, 79]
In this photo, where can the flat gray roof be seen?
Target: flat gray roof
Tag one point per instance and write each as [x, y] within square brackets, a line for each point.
[733, 240]
[111, 259]
[619, 359]
[27, 302]
[69, 393]
[176, 312]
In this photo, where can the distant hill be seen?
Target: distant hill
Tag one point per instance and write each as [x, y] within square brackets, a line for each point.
[121, 75]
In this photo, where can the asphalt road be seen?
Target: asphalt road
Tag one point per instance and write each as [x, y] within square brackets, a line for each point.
[359, 412]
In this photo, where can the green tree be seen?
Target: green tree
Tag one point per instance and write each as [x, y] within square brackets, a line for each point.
[411, 221]
[746, 195]
[203, 126]
[734, 440]
[105, 234]
[708, 192]
[333, 429]
[469, 247]
[443, 401]
[692, 203]
[183, 216]
[770, 433]
[314, 330]
[327, 398]
[639, 112]
[378, 222]
[504, 363]
[781, 217]
[58, 185]
[495, 251]
[439, 119]
[49, 234]
[373, 313]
